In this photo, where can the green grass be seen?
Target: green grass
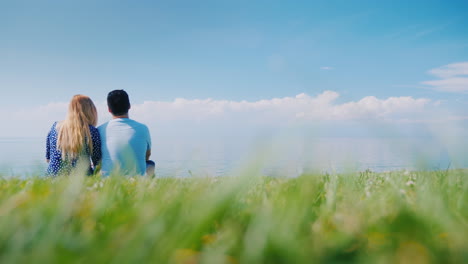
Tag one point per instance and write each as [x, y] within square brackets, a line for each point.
[398, 217]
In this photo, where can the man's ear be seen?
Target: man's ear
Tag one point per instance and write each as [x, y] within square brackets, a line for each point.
[109, 110]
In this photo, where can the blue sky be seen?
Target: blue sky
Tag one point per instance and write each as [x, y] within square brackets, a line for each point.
[233, 50]
[236, 50]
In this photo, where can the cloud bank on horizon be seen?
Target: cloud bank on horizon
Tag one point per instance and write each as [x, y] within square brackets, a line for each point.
[300, 108]
[210, 114]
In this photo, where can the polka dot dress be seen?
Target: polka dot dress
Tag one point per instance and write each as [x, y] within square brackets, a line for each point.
[59, 166]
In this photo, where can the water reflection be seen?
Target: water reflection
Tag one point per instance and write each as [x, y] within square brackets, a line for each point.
[25, 156]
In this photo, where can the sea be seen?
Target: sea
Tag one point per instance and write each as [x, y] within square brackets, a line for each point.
[25, 157]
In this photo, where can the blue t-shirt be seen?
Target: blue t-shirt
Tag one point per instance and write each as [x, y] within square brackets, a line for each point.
[124, 146]
[54, 155]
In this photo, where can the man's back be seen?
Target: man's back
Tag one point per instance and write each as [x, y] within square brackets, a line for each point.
[124, 146]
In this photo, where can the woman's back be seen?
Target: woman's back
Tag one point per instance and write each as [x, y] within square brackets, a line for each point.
[75, 139]
[59, 165]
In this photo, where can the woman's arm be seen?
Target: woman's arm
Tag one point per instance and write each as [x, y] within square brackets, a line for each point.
[48, 145]
[96, 155]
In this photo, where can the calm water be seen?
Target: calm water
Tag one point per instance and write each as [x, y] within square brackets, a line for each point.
[290, 157]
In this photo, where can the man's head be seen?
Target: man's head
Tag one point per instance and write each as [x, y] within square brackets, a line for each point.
[118, 102]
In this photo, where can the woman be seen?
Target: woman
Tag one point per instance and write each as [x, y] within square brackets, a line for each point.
[74, 140]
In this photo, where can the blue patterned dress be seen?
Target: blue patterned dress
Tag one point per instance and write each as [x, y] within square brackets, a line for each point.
[59, 166]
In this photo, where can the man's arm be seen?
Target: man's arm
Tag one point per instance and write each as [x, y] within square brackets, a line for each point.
[148, 142]
[148, 154]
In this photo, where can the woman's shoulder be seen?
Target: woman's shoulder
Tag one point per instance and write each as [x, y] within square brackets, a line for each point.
[93, 129]
[53, 132]
[55, 125]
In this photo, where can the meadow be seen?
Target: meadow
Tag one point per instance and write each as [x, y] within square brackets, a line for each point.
[362, 217]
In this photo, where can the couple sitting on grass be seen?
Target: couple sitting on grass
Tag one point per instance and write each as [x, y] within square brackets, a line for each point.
[121, 145]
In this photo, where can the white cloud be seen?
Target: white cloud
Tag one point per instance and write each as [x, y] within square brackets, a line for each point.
[319, 108]
[326, 68]
[429, 31]
[210, 113]
[451, 70]
[453, 78]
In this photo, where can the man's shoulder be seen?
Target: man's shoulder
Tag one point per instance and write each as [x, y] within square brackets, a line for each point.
[137, 124]
[102, 127]
[129, 123]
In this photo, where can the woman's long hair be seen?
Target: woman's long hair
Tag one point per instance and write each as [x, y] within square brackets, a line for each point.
[73, 133]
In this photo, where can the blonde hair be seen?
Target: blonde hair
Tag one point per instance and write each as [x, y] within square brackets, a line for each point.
[73, 132]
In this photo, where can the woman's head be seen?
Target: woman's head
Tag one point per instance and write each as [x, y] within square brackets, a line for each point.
[82, 110]
[73, 133]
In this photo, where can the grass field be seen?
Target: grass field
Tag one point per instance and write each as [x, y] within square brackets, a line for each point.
[397, 217]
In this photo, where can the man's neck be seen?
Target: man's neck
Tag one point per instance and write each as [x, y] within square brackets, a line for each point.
[120, 116]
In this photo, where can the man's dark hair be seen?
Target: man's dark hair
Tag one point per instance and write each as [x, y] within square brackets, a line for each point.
[118, 102]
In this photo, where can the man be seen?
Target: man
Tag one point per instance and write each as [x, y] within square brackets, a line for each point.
[126, 144]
